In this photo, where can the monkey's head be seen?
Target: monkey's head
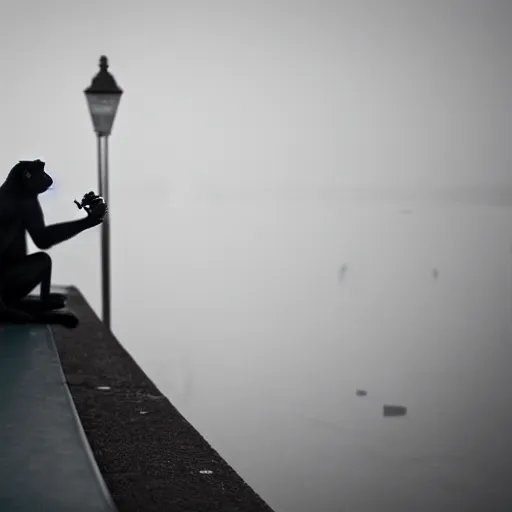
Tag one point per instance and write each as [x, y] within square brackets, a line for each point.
[30, 176]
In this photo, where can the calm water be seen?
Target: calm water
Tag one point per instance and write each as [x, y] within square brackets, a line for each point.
[268, 318]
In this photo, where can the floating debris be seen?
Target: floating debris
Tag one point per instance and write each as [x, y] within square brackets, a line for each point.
[341, 272]
[205, 472]
[361, 392]
[394, 410]
[143, 412]
[103, 388]
[435, 273]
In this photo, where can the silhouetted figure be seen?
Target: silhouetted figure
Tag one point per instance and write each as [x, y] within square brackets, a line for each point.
[20, 273]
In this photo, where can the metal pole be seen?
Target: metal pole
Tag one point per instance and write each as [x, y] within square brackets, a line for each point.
[105, 228]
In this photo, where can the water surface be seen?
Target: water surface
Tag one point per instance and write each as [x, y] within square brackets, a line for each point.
[273, 315]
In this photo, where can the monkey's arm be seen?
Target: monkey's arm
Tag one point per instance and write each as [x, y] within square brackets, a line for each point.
[47, 236]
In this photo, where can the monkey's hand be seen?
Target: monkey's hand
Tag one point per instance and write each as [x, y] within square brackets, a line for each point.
[97, 214]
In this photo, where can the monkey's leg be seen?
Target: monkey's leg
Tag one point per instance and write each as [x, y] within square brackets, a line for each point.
[47, 301]
[26, 274]
[50, 300]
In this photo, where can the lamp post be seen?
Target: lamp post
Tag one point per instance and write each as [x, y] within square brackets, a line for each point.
[103, 96]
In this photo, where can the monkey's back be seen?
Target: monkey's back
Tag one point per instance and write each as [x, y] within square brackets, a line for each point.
[11, 222]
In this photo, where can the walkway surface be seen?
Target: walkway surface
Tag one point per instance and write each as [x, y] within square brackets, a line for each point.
[45, 463]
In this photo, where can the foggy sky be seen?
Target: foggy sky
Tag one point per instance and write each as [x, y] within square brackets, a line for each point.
[246, 100]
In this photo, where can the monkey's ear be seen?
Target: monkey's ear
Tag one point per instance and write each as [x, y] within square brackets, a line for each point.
[27, 174]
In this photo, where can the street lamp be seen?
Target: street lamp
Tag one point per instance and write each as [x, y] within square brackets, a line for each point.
[103, 96]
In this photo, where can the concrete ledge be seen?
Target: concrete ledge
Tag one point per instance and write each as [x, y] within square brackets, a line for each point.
[151, 462]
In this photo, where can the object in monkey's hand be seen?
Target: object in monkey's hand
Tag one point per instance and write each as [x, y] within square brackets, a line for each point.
[89, 202]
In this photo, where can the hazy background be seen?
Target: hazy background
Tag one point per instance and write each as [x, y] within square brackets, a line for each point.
[306, 198]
